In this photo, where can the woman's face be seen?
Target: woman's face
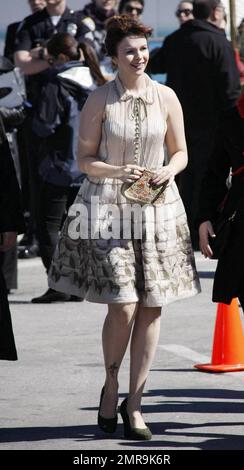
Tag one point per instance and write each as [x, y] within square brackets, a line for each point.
[132, 56]
[106, 4]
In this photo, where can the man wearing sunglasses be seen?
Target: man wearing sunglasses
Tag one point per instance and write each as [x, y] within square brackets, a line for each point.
[95, 15]
[184, 12]
[200, 66]
[131, 8]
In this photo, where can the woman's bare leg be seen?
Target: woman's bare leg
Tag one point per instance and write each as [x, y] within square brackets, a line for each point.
[144, 341]
[115, 336]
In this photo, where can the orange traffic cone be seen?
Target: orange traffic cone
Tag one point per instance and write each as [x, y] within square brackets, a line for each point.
[228, 344]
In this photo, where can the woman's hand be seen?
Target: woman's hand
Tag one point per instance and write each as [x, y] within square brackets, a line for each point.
[165, 174]
[206, 231]
[129, 173]
[8, 241]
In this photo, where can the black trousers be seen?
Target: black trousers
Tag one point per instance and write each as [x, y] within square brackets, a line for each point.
[229, 275]
[200, 146]
[9, 268]
[31, 182]
[53, 205]
[7, 343]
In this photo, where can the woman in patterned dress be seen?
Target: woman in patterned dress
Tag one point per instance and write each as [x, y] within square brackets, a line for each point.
[124, 126]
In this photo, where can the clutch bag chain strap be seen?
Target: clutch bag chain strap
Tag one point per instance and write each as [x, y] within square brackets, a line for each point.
[138, 114]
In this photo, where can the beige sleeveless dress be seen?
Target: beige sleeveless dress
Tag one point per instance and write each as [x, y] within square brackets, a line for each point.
[121, 256]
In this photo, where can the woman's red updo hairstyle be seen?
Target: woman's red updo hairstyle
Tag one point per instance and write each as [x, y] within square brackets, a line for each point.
[120, 27]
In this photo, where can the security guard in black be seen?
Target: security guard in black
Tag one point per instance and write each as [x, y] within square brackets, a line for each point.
[32, 37]
[36, 29]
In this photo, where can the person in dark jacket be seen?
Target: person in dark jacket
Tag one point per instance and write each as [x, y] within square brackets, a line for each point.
[94, 16]
[30, 45]
[32, 58]
[12, 114]
[13, 28]
[228, 156]
[11, 223]
[200, 66]
[74, 75]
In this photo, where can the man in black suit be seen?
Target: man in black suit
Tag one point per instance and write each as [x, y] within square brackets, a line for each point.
[200, 66]
[11, 223]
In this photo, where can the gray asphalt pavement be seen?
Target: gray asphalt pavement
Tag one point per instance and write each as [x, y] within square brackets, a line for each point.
[49, 397]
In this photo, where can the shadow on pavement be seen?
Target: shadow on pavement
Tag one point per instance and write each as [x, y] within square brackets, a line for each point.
[181, 437]
[32, 434]
[206, 274]
[173, 435]
[198, 392]
[169, 435]
[232, 401]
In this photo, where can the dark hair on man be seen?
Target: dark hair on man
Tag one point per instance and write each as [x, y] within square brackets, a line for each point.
[65, 43]
[120, 27]
[202, 9]
[122, 4]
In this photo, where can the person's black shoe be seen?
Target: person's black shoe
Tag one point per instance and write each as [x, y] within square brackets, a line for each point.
[27, 252]
[136, 434]
[51, 296]
[108, 425]
[75, 298]
[25, 240]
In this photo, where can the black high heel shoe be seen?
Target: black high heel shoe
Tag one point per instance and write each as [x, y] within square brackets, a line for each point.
[133, 433]
[108, 425]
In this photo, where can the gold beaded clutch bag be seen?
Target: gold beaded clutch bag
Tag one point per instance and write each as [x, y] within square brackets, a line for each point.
[143, 191]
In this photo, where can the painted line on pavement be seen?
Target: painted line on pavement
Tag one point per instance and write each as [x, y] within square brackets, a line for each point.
[185, 352]
[196, 357]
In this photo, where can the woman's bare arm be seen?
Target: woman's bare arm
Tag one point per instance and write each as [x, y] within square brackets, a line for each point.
[175, 138]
